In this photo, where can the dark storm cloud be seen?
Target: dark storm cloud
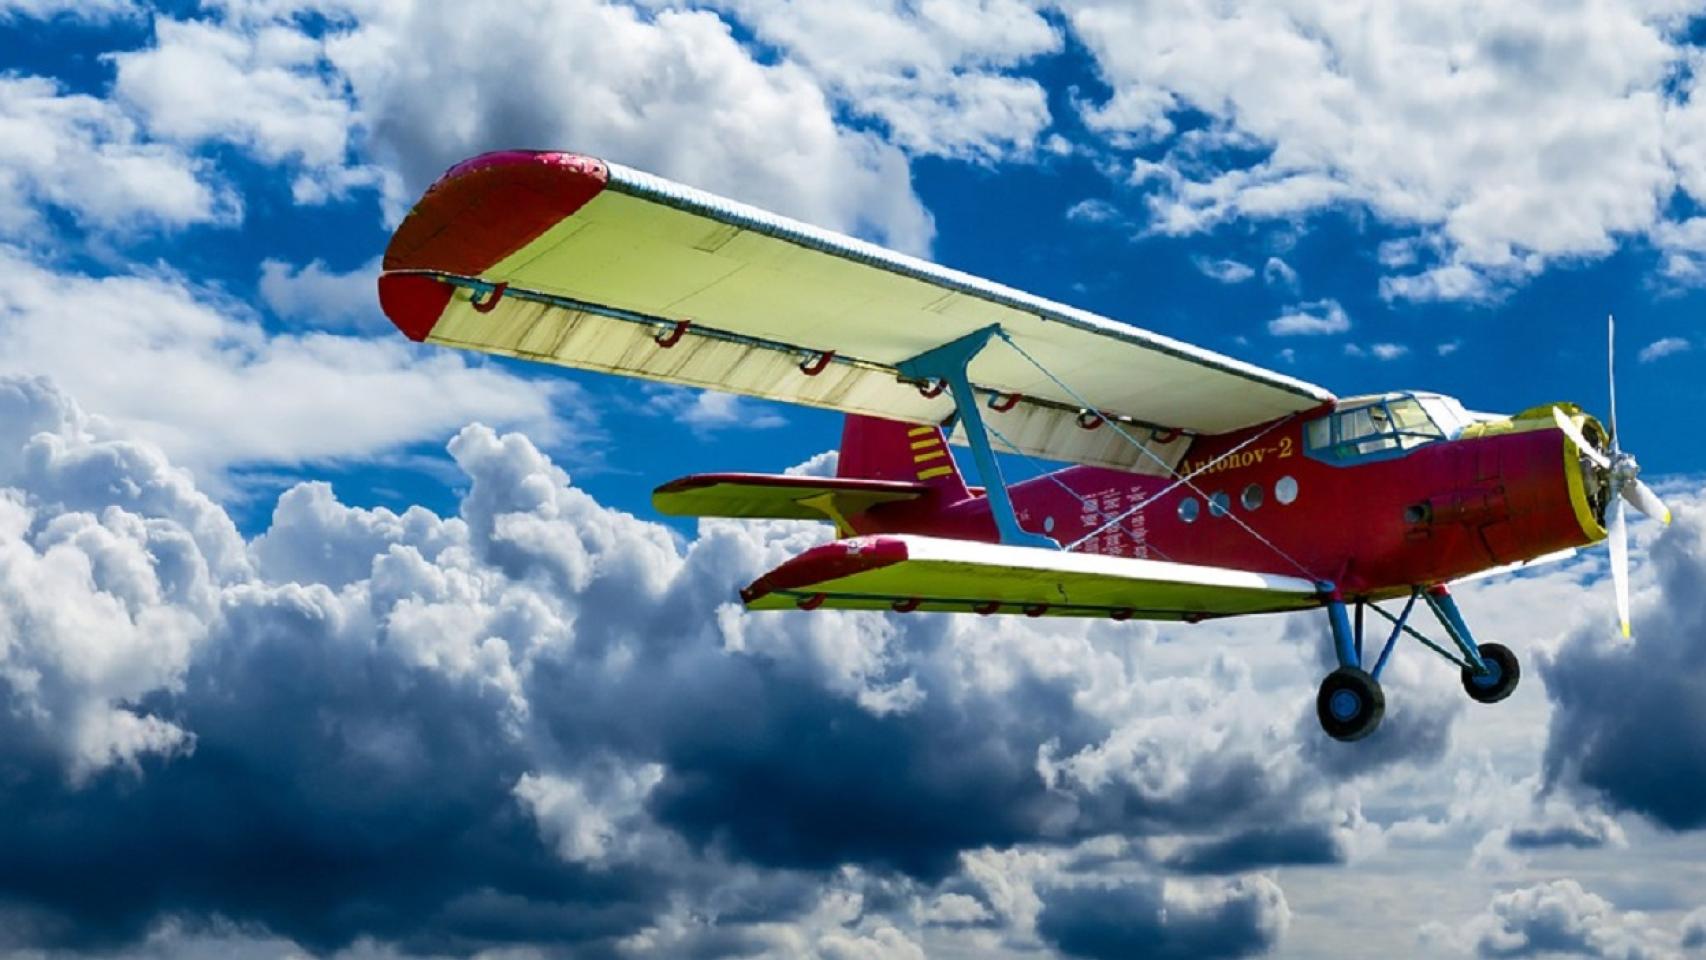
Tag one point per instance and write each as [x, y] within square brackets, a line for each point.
[1629, 723]
[1582, 831]
[1126, 920]
[1260, 847]
[531, 724]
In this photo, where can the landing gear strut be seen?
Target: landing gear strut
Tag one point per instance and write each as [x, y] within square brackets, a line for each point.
[1350, 703]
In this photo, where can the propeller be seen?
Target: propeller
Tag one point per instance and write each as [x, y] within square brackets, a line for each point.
[1622, 477]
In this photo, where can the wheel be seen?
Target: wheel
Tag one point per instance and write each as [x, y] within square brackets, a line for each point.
[1501, 677]
[1350, 704]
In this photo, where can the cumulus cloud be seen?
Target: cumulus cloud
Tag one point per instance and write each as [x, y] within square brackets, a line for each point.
[321, 297]
[541, 722]
[937, 75]
[671, 91]
[1512, 141]
[196, 373]
[267, 90]
[86, 157]
[1236, 919]
[1311, 319]
[1559, 917]
[1628, 724]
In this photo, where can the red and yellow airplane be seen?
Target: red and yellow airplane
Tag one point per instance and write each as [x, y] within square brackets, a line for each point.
[1201, 486]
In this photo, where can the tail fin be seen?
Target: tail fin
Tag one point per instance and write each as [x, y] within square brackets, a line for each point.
[876, 449]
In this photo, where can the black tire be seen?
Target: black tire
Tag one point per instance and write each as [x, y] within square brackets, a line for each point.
[1503, 674]
[1350, 704]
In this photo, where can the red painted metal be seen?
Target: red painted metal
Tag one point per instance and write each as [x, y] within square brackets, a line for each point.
[985, 609]
[934, 390]
[414, 302]
[906, 606]
[812, 368]
[1004, 403]
[490, 302]
[479, 212]
[674, 336]
[1490, 500]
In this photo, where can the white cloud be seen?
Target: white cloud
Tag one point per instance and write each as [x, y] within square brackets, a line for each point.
[935, 74]
[1225, 271]
[672, 92]
[1448, 348]
[1277, 273]
[83, 155]
[320, 297]
[1561, 917]
[1093, 210]
[1530, 131]
[88, 11]
[590, 819]
[1379, 351]
[1319, 318]
[707, 412]
[197, 375]
[1664, 347]
[267, 90]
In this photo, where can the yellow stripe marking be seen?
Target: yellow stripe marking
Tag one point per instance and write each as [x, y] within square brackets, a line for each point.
[926, 444]
[921, 432]
[936, 454]
[934, 472]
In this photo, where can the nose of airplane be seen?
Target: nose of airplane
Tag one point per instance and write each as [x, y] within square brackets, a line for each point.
[1615, 476]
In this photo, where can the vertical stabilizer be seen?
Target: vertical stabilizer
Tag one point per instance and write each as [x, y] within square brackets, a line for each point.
[876, 449]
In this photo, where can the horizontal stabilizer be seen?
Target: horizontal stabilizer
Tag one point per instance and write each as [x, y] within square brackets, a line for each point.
[758, 495]
[905, 573]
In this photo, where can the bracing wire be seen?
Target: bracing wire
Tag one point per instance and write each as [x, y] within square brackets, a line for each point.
[1169, 488]
[1182, 478]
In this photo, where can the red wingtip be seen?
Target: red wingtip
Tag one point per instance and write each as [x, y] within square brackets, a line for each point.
[481, 211]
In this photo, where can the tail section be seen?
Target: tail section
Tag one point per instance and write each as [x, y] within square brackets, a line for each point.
[876, 449]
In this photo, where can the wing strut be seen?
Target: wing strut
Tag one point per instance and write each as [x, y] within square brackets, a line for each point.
[947, 364]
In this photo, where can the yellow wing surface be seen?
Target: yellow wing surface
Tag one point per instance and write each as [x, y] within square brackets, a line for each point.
[905, 573]
[569, 260]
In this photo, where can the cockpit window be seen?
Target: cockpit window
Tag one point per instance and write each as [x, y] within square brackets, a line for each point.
[1371, 430]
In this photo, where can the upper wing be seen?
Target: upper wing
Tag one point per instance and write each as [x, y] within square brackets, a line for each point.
[570, 260]
[906, 572]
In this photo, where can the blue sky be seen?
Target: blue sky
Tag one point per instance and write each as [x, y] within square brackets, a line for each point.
[401, 620]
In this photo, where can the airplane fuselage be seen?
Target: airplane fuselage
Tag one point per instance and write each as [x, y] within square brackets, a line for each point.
[1506, 491]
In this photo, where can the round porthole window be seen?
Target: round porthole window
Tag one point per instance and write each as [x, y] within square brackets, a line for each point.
[1189, 509]
[1219, 504]
[1285, 491]
[1251, 498]
[1048, 524]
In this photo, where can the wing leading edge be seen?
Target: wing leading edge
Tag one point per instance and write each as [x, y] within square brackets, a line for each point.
[568, 260]
[906, 573]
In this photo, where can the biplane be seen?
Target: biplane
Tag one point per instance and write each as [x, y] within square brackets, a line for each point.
[1196, 485]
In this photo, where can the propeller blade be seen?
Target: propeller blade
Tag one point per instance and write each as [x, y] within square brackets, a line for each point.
[1569, 427]
[1642, 498]
[1618, 538]
[1611, 373]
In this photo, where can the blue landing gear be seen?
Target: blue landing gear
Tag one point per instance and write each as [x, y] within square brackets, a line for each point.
[1351, 704]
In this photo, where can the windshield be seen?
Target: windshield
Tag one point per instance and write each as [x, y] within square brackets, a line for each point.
[1373, 429]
